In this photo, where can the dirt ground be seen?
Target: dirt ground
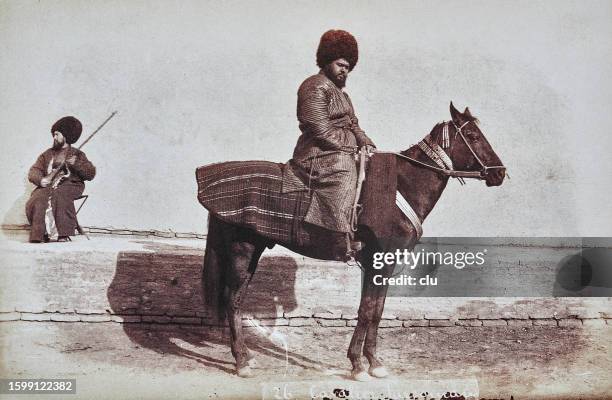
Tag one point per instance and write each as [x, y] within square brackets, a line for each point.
[138, 361]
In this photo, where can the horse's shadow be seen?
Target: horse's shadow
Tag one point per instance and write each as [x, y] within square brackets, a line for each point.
[163, 284]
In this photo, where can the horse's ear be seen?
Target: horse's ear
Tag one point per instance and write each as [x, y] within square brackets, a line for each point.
[467, 113]
[455, 114]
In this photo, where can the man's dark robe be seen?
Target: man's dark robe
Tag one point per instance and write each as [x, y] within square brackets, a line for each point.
[61, 199]
[324, 157]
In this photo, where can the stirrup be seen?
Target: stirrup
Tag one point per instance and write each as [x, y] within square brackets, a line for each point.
[349, 257]
[352, 246]
[351, 261]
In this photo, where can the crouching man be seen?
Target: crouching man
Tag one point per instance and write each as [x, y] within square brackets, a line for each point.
[58, 173]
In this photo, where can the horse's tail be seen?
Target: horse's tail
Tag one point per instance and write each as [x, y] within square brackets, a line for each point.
[213, 274]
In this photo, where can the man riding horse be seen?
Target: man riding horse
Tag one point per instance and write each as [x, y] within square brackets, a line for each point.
[254, 205]
[324, 157]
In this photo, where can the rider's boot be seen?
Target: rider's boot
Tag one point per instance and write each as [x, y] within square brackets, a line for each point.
[351, 247]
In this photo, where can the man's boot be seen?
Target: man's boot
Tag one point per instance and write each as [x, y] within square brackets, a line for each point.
[343, 247]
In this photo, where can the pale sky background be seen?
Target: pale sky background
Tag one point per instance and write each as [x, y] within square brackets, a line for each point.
[202, 82]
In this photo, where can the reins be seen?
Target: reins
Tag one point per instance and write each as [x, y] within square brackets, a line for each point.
[448, 172]
[439, 156]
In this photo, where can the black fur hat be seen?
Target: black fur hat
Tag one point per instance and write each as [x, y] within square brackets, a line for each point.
[70, 127]
[337, 44]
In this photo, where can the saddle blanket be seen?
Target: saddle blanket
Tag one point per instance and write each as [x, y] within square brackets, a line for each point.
[268, 198]
[250, 194]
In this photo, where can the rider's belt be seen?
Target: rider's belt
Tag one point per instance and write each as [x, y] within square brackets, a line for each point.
[342, 122]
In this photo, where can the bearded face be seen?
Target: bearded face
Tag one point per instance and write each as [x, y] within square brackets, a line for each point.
[58, 140]
[337, 71]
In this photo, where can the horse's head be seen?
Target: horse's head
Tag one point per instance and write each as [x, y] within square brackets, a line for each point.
[469, 150]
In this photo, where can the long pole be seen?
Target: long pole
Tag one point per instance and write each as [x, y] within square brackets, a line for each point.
[97, 129]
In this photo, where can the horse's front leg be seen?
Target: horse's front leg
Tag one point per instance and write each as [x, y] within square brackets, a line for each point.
[377, 369]
[365, 316]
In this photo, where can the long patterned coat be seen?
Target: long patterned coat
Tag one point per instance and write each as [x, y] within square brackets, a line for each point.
[61, 199]
[324, 157]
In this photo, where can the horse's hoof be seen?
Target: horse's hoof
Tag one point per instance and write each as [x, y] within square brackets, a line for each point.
[252, 362]
[245, 372]
[362, 376]
[379, 372]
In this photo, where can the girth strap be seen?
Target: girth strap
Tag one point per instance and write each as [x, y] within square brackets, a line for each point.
[409, 212]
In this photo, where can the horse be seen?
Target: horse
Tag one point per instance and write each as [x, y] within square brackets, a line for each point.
[456, 148]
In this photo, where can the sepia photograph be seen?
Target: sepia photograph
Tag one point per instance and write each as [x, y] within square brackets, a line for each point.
[306, 199]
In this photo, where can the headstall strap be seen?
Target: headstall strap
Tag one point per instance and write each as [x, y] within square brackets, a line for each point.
[445, 138]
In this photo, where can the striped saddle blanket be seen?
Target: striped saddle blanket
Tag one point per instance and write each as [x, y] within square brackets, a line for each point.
[250, 194]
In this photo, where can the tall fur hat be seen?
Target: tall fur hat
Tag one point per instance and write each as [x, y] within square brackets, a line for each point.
[70, 127]
[337, 44]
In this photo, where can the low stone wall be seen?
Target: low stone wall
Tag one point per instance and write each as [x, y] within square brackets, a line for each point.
[157, 281]
[305, 321]
[553, 242]
[118, 231]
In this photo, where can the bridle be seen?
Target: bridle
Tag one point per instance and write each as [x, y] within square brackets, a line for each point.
[484, 169]
[444, 164]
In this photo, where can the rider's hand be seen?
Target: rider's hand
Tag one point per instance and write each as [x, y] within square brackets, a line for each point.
[44, 182]
[370, 149]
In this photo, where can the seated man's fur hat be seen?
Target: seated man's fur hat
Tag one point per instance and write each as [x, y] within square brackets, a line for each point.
[337, 44]
[70, 127]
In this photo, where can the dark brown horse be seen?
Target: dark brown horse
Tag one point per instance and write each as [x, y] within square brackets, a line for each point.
[232, 252]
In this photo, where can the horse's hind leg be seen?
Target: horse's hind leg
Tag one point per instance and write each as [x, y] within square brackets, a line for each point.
[242, 258]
